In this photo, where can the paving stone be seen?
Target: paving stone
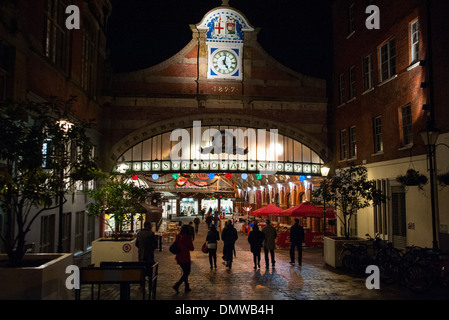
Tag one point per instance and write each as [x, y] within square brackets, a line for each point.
[313, 281]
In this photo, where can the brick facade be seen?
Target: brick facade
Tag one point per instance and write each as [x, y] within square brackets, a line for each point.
[384, 118]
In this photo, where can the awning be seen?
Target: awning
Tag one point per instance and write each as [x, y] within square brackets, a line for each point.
[307, 209]
[268, 210]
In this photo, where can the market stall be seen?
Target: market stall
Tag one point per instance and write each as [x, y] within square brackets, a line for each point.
[310, 217]
[263, 213]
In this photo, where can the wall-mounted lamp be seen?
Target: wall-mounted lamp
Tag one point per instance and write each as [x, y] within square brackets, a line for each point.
[325, 171]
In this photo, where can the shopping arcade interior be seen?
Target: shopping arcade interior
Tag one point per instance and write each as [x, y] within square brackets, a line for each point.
[226, 182]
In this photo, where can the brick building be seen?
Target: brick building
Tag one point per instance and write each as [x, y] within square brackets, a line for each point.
[39, 59]
[222, 78]
[389, 85]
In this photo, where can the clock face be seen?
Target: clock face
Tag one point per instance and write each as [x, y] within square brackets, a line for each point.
[224, 62]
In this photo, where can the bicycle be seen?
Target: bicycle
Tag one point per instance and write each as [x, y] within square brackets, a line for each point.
[355, 258]
[422, 268]
[388, 259]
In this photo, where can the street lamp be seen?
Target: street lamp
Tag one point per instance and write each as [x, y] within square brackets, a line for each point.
[324, 172]
[430, 138]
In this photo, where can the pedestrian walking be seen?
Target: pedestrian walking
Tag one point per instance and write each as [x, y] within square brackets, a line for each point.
[191, 230]
[296, 240]
[208, 220]
[146, 242]
[229, 237]
[269, 243]
[203, 212]
[216, 220]
[212, 238]
[196, 222]
[255, 239]
[185, 245]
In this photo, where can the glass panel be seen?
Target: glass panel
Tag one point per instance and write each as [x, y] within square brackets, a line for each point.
[306, 154]
[146, 149]
[315, 158]
[137, 152]
[297, 151]
[127, 155]
[289, 149]
[156, 148]
[166, 146]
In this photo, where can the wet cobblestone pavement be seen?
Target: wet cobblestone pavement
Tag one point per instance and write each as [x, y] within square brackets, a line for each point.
[313, 281]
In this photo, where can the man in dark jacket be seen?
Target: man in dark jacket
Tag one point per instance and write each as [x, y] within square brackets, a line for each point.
[229, 237]
[146, 242]
[296, 240]
[255, 239]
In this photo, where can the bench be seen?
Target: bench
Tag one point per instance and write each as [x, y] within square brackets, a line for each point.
[122, 273]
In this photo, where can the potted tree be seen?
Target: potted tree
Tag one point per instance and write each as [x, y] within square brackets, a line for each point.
[120, 200]
[348, 191]
[37, 170]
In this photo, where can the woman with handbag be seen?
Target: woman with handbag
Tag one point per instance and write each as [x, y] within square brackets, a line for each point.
[212, 239]
[185, 245]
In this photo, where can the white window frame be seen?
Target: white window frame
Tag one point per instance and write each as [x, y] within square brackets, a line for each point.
[351, 20]
[352, 142]
[343, 145]
[368, 72]
[387, 60]
[341, 89]
[377, 134]
[406, 125]
[352, 82]
[414, 41]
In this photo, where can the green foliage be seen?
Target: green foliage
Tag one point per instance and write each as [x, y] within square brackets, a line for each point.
[443, 179]
[412, 178]
[118, 198]
[40, 161]
[349, 191]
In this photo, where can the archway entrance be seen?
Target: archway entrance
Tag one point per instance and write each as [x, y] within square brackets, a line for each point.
[222, 169]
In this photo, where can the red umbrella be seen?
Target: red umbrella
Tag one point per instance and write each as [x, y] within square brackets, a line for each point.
[268, 210]
[307, 209]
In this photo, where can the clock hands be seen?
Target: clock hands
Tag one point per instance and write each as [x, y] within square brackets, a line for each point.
[224, 62]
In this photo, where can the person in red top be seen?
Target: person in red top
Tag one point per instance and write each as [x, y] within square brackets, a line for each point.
[185, 245]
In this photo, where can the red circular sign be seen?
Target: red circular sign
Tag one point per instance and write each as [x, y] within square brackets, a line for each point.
[127, 247]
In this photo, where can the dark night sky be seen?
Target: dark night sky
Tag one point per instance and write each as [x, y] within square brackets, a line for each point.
[297, 33]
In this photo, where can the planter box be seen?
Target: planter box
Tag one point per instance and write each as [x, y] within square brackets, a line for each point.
[109, 250]
[45, 282]
[333, 247]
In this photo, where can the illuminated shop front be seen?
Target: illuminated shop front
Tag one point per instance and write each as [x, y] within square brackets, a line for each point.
[223, 181]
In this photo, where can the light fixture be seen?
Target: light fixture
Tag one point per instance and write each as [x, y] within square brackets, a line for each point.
[430, 137]
[211, 175]
[325, 171]
[65, 125]
[244, 176]
[155, 176]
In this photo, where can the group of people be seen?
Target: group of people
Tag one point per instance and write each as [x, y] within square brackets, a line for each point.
[266, 238]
